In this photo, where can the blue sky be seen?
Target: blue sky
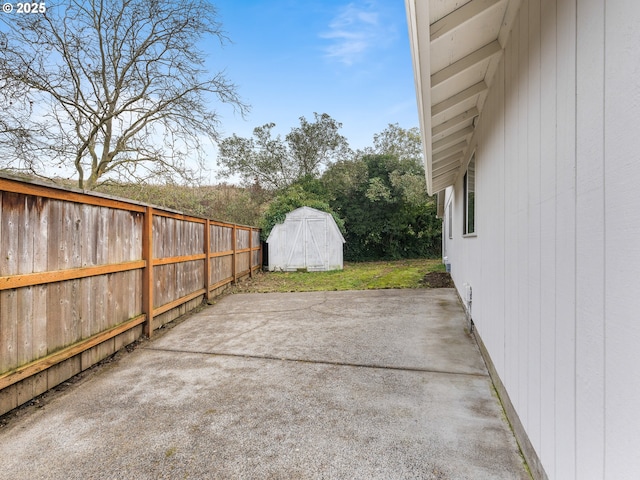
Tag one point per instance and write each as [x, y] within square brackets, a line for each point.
[290, 58]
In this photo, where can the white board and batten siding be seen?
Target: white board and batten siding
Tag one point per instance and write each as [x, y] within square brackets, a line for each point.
[308, 239]
[555, 261]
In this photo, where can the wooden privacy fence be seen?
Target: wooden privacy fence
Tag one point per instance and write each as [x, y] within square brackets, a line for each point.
[83, 275]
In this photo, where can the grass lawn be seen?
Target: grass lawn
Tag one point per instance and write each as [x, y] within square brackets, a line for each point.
[355, 276]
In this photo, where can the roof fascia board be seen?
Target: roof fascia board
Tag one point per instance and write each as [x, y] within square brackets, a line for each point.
[419, 40]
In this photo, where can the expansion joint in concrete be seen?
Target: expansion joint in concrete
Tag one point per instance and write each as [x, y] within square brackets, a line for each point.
[321, 362]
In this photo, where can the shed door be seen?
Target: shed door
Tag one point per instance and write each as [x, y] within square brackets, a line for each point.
[307, 243]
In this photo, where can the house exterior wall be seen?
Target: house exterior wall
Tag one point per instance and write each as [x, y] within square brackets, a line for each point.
[555, 260]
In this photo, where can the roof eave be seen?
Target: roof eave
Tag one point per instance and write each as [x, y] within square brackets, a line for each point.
[419, 39]
[463, 46]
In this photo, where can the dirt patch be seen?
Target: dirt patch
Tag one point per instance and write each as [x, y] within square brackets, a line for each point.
[437, 280]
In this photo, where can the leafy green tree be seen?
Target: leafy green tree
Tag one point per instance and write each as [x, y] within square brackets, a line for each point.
[387, 211]
[399, 142]
[110, 89]
[315, 145]
[276, 163]
[341, 178]
[298, 195]
[396, 141]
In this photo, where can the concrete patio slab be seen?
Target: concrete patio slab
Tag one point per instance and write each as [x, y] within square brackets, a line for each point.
[365, 385]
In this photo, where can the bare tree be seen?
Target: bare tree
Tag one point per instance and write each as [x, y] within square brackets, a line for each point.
[111, 88]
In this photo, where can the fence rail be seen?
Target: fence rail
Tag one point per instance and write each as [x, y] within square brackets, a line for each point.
[82, 275]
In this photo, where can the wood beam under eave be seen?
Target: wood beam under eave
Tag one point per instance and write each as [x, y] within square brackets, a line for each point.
[448, 177]
[458, 148]
[451, 139]
[445, 164]
[513, 7]
[445, 177]
[466, 63]
[455, 121]
[458, 98]
[448, 166]
[450, 173]
[440, 183]
[459, 17]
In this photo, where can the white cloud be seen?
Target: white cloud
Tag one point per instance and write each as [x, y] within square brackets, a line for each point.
[356, 30]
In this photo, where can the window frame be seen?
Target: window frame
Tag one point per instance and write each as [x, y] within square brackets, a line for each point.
[450, 219]
[469, 199]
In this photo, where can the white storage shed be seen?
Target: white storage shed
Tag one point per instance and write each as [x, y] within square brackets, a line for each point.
[308, 239]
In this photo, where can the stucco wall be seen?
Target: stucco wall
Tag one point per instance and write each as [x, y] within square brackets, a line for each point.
[556, 259]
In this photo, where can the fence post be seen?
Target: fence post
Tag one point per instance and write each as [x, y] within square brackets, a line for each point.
[250, 252]
[261, 254]
[234, 268]
[207, 259]
[147, 275]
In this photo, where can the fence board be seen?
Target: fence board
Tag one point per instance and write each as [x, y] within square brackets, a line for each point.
[8, 330]
[116, 250]
[89, 232]
[74, 219]
[9, 221]
[40, 218]
[63, 371]
[24, 340]
[221, 269]
[171, 226]
[89, 258]
[242, 264]
[99, 323]
[71, 269]
[242, 238]
[102, 236]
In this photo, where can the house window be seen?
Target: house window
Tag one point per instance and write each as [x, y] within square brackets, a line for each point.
[469, 226]
[450, 220]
